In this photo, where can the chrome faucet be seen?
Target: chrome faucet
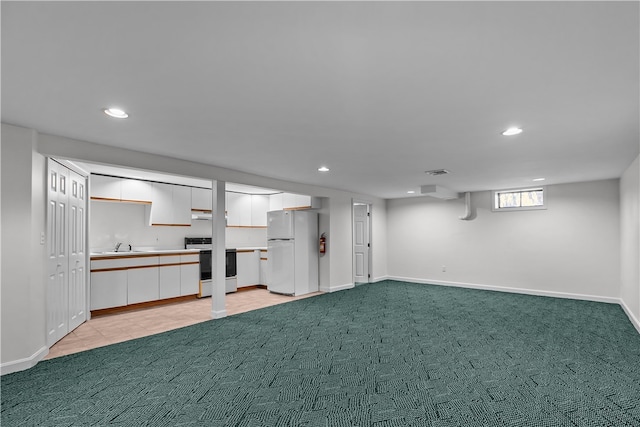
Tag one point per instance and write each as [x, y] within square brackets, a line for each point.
[117, 248]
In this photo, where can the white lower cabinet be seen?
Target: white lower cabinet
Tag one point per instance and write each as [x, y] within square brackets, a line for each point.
[108, 289]
[248, 267]
[124, 280]
[189, 275]
[142, 285]
[263, 268]
[169, 281]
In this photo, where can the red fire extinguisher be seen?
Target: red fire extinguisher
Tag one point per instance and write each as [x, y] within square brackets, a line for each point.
[323, 243]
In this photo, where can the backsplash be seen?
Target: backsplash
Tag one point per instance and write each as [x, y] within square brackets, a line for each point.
[246, 237]
[113, 222]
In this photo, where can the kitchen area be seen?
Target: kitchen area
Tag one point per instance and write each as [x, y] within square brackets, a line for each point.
[150, 239]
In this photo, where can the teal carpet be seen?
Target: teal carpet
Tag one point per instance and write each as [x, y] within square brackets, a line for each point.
[385, 354]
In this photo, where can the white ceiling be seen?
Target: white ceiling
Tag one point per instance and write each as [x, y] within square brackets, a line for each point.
[377, 91]
[162, 177]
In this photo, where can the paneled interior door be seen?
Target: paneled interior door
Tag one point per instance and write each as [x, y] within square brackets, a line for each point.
[361, 243]
[66, 251]
[77, 253]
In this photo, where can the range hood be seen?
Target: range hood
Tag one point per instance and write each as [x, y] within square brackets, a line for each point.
[201, 216]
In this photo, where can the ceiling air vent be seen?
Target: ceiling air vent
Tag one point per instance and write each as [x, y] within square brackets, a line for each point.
[437, 172]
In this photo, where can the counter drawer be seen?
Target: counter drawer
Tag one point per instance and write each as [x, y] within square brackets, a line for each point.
[125, 262]
[169, 260]
[189, 258]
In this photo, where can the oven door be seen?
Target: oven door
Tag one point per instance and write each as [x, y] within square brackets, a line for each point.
[205, 264]
[230, 257]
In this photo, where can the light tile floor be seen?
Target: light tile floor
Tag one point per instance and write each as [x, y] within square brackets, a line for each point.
[114, 328]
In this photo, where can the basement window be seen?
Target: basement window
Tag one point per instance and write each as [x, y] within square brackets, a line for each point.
[522, 199]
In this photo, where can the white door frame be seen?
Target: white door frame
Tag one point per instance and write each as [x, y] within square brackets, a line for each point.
[368, 234]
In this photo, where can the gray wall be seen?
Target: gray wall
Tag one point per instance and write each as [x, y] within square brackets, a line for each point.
[23, 219]
[630, 241]
[570, 249]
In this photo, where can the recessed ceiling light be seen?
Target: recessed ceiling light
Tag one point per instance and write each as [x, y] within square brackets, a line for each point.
[539, 179]
[512, 131]
[116, 112]
[323, 169]
[411, 192]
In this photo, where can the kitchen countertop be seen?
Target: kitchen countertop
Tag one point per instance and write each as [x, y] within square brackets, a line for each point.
[250, 248]
[151, 252]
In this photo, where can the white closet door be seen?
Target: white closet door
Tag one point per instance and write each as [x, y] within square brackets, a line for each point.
[77, 254]
[57, 251]
[66, 251]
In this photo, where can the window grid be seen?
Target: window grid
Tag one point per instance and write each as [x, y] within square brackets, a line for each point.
[521, 199]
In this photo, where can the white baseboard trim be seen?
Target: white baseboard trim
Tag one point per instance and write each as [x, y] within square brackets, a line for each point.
[634, 320]
[22, 364]
[379, 279]
[219, 314]
[338, 288]
[536, 292]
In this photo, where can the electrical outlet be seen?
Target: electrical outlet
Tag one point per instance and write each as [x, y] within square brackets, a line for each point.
[444, 268]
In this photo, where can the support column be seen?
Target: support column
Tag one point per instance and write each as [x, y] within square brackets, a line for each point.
[218, 265]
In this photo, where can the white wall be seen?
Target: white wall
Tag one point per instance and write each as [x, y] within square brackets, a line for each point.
[22, 278]
[340, 243]
[113, 222]
[245, 237]
[379, 240]
[571, 249]
[630, 241]
[324, 226]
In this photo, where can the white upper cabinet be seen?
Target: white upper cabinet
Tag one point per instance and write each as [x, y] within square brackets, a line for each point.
[106, 187]
[201, 199]
[247, 210]
[259, 208]
[181, 205]
[301, 201]
[171, 205]
[134, 190]
[162, 204]
[233, 209]
[238, 209]
[275, 202]
[288, 201]
[120, 189]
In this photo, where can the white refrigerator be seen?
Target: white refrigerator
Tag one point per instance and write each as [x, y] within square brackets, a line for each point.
[292, 257]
